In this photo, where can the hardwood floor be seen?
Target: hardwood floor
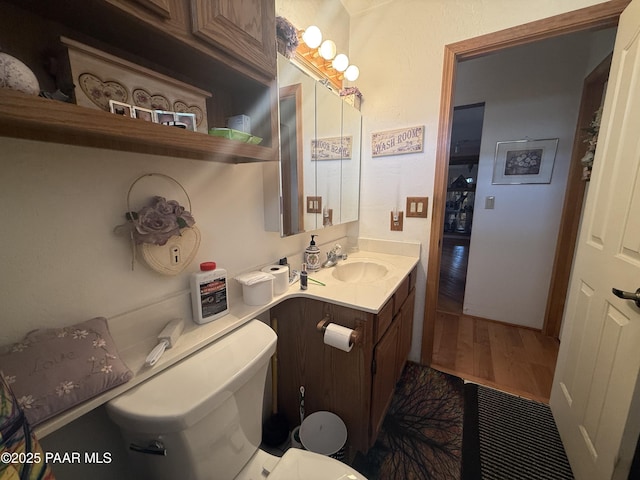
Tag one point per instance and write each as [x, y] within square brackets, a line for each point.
[514, 359]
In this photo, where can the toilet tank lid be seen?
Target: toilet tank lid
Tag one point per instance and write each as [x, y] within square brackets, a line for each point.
[183, 394]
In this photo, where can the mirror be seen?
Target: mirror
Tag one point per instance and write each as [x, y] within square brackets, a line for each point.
[297, 129]
[350, 165]
[319, 156]
[327, 155]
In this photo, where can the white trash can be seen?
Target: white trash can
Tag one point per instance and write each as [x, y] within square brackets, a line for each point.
[325, 433]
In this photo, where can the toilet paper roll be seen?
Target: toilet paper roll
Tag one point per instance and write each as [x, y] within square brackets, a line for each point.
[338, 336]
[281, 282]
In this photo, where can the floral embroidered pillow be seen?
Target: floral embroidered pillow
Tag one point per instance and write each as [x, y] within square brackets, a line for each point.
[52, 370]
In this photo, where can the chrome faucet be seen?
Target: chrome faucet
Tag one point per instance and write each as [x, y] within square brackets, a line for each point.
[334, 256]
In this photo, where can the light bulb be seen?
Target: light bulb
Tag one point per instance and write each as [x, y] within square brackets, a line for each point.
[312, 36]
[327, 49]
[341, 62]
[352, 73]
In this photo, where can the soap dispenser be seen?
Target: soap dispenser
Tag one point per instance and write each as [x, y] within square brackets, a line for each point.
[312, 255]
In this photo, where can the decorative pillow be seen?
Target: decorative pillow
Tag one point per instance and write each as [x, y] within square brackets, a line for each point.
[55, 369]
[22, 455]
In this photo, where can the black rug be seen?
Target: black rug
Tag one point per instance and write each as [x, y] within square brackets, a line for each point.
[505, 437]
[508, 437]
[421, 436]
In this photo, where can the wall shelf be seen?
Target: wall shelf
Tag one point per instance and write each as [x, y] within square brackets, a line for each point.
[36, 118]
[30, 30]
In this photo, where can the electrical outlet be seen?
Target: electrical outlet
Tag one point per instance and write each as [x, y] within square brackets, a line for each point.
[327, 217]
[396, 221]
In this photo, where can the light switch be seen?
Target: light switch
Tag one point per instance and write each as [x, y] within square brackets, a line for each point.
[417, 207]
[489, 202]
[314, 204]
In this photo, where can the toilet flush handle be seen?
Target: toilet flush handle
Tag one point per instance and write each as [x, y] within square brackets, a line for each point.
[154, 448]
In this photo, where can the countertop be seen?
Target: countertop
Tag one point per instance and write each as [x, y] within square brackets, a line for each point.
[135, 341]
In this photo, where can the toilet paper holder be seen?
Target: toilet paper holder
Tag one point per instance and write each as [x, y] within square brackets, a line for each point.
[326, 320]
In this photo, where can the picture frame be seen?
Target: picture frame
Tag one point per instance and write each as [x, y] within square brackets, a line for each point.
[120, 108]
[189, 119]
[524, 161]
[143, 113]
[163, 116]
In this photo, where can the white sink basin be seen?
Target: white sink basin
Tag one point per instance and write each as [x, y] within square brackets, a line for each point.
[360, 271]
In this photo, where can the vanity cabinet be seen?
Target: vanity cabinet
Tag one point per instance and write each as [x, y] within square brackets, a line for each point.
[356, 385]
[224, 48]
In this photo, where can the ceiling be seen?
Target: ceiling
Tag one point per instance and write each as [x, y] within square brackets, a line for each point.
[356, 7]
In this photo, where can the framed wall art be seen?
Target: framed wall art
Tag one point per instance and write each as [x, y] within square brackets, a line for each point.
[524, 161]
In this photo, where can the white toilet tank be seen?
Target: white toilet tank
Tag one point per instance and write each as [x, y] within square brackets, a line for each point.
[204, 413]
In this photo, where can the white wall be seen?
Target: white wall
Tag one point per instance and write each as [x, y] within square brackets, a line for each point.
[531, 92]
[61, 261]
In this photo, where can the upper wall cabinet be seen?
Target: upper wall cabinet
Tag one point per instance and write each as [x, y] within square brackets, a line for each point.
[223, 49]
[243, 28]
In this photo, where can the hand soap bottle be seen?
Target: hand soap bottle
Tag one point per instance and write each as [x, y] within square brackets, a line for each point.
[312, 255]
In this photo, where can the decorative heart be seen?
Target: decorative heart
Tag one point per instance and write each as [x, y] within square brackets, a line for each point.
[181, 107]
[162, 258]
[155, 101]
[100, 92]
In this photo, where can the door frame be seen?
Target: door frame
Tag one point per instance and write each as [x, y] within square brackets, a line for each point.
[602, 15]
[593, 90]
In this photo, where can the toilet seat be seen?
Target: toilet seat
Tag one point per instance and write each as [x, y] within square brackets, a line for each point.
[303, 465]
[296, 464]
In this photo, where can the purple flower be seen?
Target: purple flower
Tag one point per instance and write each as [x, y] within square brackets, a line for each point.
[159, 221]
[154, 227]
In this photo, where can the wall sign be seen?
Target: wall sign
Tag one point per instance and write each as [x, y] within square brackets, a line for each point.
[397, 142]
[334, 148]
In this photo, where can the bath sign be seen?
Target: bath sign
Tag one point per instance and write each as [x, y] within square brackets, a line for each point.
[397, 142]
[334, 148]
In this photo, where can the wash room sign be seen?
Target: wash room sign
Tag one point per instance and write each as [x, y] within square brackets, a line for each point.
[335, 148]
[398, 142]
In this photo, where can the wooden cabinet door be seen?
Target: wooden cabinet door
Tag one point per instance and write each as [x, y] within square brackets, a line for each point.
[170, 16]
[405, 332]
[384, 378]
[334, 380]
[244, 29]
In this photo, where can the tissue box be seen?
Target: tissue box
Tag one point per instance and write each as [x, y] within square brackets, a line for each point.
[257, 288]
[240, 122]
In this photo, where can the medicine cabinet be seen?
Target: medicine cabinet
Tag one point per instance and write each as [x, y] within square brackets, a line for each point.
[318, 174]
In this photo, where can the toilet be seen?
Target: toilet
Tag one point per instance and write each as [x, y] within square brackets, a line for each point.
[202, 418]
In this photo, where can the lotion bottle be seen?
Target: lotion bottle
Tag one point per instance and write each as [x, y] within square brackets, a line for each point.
[209, 293]
[312, 255]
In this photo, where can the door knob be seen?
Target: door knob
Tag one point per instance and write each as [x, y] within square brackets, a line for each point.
[628, 295]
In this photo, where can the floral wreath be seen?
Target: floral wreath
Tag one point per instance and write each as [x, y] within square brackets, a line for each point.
[159, 221]
[156, 223]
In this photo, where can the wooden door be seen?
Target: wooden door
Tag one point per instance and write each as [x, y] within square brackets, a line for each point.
[594, 397]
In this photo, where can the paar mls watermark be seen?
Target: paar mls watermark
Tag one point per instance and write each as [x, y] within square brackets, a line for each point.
[56, 457]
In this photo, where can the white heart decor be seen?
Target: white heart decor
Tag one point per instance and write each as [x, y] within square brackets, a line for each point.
[162, 232]
[175, 255]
